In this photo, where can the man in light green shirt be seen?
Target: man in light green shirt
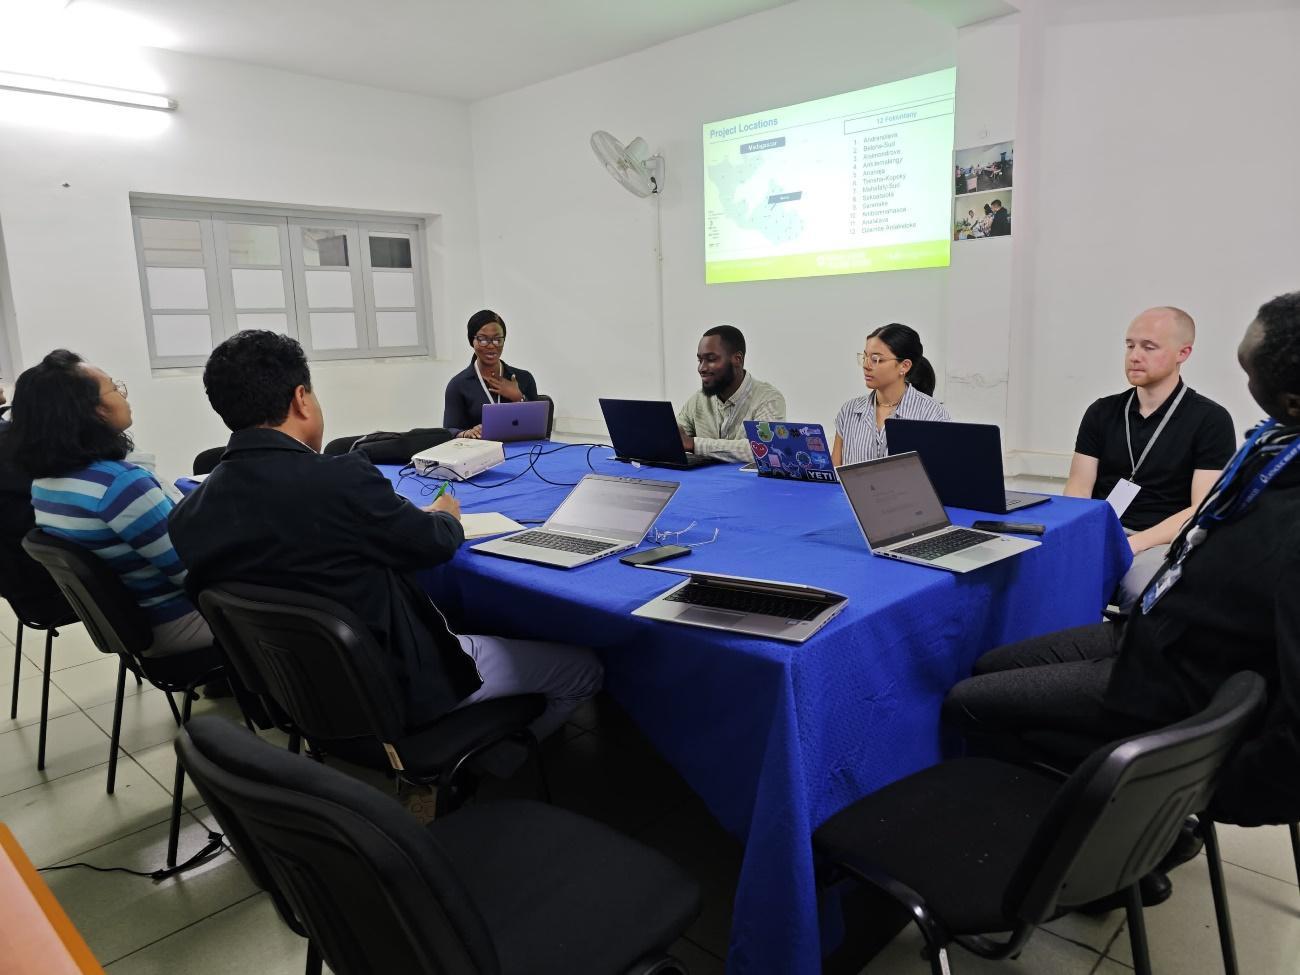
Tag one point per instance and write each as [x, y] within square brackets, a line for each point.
[712, 421]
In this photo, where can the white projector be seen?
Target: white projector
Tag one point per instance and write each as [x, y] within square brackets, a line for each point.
[460, 459]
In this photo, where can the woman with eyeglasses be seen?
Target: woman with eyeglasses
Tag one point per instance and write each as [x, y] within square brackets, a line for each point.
[68, 433]
[487, 379]
[899, 381]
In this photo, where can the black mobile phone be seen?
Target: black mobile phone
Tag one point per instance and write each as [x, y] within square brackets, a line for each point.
[653, 555]
[1014, 527]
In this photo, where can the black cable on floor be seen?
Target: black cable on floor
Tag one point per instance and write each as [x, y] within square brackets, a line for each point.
[216, 846]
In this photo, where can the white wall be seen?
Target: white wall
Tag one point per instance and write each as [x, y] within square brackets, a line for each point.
[242, 133]
[1165, 174]
[568, 256]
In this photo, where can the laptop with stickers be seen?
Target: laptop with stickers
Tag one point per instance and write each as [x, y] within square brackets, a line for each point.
[790, 451]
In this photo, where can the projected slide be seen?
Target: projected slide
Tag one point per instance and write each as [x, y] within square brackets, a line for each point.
[842, 185]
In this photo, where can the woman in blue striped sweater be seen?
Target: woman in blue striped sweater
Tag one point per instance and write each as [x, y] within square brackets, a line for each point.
[69, 433]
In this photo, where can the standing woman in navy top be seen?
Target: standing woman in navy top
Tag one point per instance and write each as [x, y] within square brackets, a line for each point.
[899, 380]
[487, 379]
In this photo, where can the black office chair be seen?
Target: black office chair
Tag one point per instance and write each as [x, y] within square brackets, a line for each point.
[206, 461]
[320, 665]
[117, 625]
[497, 888]
[40, 613]
[550, 412]
[976, 846]
[1219, 889]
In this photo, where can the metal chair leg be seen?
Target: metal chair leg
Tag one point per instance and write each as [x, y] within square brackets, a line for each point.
[1137, 931]
[1220, 892]
[45, 698]
[116, 738]
[178, 785]
[171, 702]
[295, 742]
[1295, 847]
[18, 665]
[313, 960]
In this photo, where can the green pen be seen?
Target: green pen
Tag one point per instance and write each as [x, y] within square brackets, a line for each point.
[441, 491]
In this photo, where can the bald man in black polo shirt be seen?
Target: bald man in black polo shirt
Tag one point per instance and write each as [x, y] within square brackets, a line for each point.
[1177, 439]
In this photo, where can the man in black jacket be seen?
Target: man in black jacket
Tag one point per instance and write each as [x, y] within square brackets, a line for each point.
[277, 512]
[1225, 600]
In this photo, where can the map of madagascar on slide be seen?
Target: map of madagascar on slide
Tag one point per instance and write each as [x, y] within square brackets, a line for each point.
[846, 184]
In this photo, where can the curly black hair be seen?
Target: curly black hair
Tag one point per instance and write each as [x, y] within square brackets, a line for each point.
[732, 338]
[57, 427]
[1277, 360]
[251, 377]
[480, 318]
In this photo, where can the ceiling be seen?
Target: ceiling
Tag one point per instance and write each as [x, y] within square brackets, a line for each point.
[465, 49]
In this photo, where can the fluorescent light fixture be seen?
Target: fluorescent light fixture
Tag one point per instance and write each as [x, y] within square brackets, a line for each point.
[91, 93]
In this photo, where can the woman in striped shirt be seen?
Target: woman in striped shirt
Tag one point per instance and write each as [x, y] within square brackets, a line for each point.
[69, 433]
[900, 380]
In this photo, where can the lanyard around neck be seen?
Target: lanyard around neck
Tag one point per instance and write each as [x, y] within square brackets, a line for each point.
[1128, 435]
[486, 392]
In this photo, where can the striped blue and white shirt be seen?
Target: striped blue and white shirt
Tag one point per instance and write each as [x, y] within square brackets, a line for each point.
[119, 512]
[856, 423]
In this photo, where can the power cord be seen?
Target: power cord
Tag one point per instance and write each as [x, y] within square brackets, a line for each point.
[216, 846]
[431, 482]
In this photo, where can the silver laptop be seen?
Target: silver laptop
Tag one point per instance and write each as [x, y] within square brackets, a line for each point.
[601, 516]
[760, 607]
[901, 518]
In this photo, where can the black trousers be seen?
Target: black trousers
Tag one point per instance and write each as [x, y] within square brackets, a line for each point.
[1042, 698]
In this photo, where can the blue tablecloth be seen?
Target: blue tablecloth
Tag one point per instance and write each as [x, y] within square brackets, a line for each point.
[776, 738]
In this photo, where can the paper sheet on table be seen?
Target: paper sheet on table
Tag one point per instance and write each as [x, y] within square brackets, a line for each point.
[483, 524]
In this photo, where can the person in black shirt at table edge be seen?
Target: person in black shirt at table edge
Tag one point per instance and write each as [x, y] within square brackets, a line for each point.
[1177, 439]
[277, 512]
[1225, 600]
[487, 378]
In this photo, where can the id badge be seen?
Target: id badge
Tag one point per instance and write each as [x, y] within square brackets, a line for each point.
[1162, 585]
[1122, 495]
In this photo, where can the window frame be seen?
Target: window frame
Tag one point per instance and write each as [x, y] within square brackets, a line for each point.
[214, 217]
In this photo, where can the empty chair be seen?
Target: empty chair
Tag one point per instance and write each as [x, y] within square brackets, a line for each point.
[977, 846]
[550, 413]
[319, 665]
[117, 625]
[496, 888]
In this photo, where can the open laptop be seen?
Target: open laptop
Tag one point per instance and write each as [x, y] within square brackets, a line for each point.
[602, 516]
[964, 461]
[508, 422]
[759, 607]
[646, 431]
[791, 451]
[901, 518]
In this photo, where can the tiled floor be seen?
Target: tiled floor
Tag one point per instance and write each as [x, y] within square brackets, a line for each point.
[212, 920]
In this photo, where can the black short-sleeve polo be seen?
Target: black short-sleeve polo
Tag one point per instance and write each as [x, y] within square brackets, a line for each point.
[1199, 436]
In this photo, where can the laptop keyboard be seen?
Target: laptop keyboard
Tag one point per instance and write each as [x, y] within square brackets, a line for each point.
[945, 544]
[745, 601]
[562, 543]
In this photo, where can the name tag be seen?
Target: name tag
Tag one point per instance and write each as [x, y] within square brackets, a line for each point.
[1122, 495]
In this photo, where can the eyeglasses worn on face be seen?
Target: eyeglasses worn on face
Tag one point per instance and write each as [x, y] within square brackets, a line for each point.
[497, 340]
[875, 358]
[119, 386]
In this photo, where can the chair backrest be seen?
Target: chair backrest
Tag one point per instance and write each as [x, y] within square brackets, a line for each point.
[550, 413]
[1118, 815]
[315, 659]
[371, 888]
[113, 618]
[205, 461]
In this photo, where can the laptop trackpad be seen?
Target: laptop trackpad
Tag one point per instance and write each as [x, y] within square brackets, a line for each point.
[709, 617]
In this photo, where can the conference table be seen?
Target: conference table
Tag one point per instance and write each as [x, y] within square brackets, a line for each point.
[774, 737]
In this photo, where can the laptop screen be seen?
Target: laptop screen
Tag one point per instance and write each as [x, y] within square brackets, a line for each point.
[893, 499]
[612, 507]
